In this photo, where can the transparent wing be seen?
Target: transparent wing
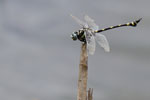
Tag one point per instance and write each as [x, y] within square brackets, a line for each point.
[81, 23]
[91, 23]
[102, 41]
[90, 40]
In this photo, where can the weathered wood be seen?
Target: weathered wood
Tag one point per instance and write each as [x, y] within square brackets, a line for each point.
[90, 94]
[83, 74]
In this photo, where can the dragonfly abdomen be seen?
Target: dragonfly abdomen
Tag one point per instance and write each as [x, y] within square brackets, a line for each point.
[134, 24]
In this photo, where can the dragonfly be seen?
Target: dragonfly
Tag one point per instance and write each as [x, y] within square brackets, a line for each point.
[90, 32]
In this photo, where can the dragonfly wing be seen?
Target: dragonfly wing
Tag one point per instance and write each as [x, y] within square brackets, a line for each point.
[102, 41]
[91, 23]
[81, 23]
[90, 40]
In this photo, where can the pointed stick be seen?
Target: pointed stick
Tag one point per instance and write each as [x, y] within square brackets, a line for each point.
[83, 74]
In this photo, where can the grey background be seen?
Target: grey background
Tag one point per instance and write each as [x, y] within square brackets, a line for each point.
[39, 61]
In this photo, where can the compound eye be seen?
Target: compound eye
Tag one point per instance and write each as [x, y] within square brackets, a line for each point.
[74, 36]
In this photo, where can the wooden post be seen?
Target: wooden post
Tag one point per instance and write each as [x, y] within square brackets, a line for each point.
[83, 75]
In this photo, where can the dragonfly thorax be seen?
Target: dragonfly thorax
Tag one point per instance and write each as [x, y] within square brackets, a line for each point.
[78, 35]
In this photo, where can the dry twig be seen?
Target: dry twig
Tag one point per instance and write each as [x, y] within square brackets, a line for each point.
[83, 76]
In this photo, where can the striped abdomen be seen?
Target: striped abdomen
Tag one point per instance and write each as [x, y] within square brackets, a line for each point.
[134, 23]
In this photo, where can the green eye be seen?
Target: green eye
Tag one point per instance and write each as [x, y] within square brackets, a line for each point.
[74, 36]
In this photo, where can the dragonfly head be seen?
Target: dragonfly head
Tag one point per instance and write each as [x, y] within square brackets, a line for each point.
[74, 36]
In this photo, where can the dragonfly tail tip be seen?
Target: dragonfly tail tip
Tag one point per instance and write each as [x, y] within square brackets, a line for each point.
[137, 21]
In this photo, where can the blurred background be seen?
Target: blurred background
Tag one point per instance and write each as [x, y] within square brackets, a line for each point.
[39, 60]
